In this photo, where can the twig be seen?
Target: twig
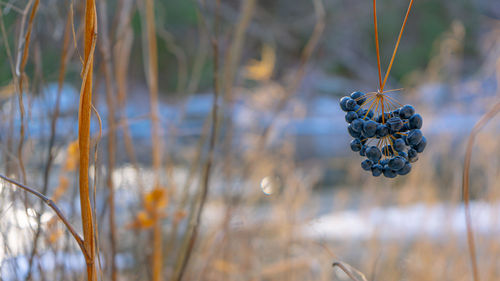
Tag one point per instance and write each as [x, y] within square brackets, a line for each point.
[397, 45]
[347, 270]
[20, 73]
[465, 185]
[84, 114]
[191, 241]
[110, 102]
[54, 207]
[152, 79]
[377, 46]
[53, 129]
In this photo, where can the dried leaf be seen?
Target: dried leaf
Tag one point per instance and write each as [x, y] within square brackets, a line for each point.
[156, 199]
[262, 70]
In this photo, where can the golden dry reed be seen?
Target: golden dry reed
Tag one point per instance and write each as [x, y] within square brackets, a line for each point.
[84, 113]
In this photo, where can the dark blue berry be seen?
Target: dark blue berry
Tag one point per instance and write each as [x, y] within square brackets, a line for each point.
[357, 97]
[384, 162]
[405, 170]
[412, 155]
[415, 121]
[343, 103]
[350, 104]
[352, 132]
[350, 116]
[362, 152]
[421, 145]
[395, 124]
[373, 153]
[386, 115]
[406, 128]
[403, 154]
[395, 113]
[369, 129]
[396, 163]
[399, 145]
[357, 125]
[367, 164]
[377, 170]
[365, 114]
[406, 111]
[389, 173]
[356, 145]
[382, 131]
[414, 137]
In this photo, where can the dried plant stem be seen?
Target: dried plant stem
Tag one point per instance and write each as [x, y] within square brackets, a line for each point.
[397, 45]
[152, 77]
[110, 103]
[305, 57]
[21, 75]
[347, 270]
[54, 207]
[10, 131]
[234, 53]
[121, 52]
[190, 239]
[465, 185]
[377, 47]
[53, 128]
[84, 114]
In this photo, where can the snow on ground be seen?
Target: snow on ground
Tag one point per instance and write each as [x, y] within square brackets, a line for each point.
[434, 221]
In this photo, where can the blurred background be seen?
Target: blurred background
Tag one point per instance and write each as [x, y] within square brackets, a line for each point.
[280, 195]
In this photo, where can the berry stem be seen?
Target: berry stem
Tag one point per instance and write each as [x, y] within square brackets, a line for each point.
[376, 106]
[389, 102]
[393, 90]
[367, 101]
[393, 99]
[371, 94]
[376, 42]
[383, 110]
[371, 105]
[397, 45]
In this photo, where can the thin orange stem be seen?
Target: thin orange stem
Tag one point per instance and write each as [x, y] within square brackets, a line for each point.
[393, 90]
[397, 45]
[367, 101]
[376, 106]
[371, 94]
[390, 103]
[383, 111]
[393, 99]
[376, 43]
[369, 108]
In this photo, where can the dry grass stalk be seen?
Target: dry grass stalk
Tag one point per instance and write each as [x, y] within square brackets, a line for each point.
[152, 77]
[52, 138]
[21, 76]
[465, 185]
[84, 114]
[54, 207]
[234, 53]
[192, 233]
[347, 269]
[110, 103]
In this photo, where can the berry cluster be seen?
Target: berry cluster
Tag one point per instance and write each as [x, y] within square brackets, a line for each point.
[390, 140]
